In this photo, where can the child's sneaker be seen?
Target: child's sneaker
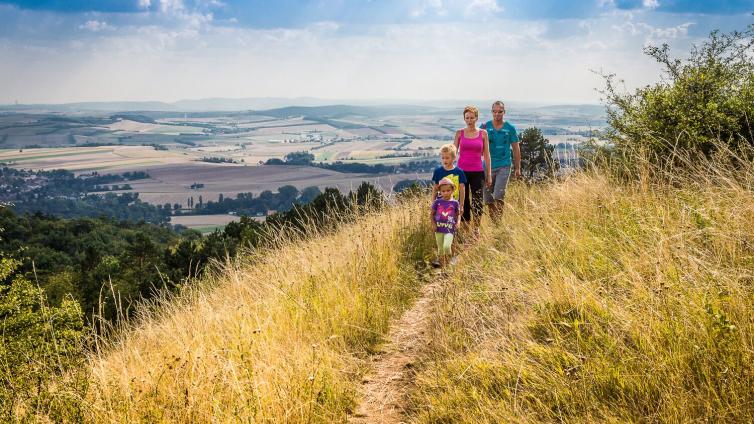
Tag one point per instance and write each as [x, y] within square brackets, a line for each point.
[454, 260]
[436, 263]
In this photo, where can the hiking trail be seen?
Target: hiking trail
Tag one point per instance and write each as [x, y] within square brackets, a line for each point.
[384, 389]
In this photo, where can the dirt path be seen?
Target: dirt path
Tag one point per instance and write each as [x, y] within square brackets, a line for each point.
[384, 389]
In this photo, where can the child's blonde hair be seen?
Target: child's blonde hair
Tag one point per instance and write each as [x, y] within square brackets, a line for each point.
[446, 182]
[448, 148]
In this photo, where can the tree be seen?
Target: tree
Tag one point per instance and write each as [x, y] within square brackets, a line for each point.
[287, 195]
[367, 195]
[299, 158]
[536, 153]
[37, 343]
[702, 101]
[308, 194]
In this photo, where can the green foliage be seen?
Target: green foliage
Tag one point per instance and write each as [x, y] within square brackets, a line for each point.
[299, 158]
[536, 153]
[703, 101]
[63, 194]
[37, 343]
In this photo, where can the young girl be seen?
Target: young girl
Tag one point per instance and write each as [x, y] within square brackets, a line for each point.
[445, 214]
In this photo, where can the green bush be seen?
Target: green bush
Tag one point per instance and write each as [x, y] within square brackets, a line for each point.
[703, 103]
[37, 343]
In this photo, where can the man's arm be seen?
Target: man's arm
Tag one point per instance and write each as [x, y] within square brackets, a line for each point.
[516, 159]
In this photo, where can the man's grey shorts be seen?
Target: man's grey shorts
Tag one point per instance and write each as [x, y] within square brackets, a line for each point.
[500, 178]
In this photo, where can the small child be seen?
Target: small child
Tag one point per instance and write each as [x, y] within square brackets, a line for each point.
[450, 171]
[445, 214]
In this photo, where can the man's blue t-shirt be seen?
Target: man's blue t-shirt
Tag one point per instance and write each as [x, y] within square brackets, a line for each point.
[455, 175]
[500, 143]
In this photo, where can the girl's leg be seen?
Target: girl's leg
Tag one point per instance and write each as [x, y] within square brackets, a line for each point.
[440, 242]
[447, 247]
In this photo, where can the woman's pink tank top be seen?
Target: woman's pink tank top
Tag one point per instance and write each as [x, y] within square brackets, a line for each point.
[470, 152]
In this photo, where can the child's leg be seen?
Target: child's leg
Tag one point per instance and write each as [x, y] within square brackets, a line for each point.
[447, 246]
[447, 241]
[439, 241]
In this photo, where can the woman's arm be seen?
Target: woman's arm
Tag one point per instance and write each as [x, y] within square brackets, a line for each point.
[457, 140]
[487, 160]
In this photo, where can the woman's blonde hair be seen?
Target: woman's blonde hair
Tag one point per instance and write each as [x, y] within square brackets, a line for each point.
[448, 148]
[471, 109]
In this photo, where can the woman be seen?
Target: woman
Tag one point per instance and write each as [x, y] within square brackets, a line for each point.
[473, 146]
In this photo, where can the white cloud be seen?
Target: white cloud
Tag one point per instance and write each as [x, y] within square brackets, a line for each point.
[95, 26]
[145, 4]
[651, 4]
[653, 33]
[426, 6]
[483, 6]
[167, 6]
[186, 54]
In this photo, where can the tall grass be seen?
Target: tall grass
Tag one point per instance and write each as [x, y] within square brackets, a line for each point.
[279, 336]
[597, 300]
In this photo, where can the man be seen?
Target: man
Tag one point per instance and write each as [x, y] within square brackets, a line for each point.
[503, 141]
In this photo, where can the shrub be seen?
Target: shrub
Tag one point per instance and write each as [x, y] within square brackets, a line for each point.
[704, 101]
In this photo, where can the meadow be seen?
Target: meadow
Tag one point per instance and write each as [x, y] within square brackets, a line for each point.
[598, 300]
[595, 299]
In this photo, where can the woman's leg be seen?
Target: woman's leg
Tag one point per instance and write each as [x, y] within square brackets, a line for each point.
[473, 208]
[476, 197]
[466, 217]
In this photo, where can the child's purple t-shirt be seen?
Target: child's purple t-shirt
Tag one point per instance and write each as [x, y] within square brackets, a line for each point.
[446, 215]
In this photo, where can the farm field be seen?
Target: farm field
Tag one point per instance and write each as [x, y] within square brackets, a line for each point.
[102, 159]
[173, 146]
[172, 183]
[205, 223]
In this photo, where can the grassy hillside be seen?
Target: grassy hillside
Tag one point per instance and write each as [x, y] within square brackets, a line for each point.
[595, 300]
[277, 337]
[598, 301]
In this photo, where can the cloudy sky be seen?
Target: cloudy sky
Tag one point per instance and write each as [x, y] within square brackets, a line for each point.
[528, 50]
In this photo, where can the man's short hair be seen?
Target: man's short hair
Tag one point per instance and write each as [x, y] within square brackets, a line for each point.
[499, 103]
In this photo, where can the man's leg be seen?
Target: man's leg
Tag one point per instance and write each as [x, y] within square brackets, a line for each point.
[498, 193]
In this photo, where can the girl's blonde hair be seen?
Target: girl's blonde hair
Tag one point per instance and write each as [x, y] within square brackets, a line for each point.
[448, 148]
[471, 109]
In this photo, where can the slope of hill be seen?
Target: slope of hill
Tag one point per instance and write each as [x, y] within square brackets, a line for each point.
[594, 300]
[278, 337]
[602, 302]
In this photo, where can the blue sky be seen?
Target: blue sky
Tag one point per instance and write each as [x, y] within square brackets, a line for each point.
[541, 51]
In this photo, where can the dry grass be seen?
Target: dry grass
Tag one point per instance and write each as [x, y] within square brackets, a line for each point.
[594, 300]
[599, 301]
[277, 336]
